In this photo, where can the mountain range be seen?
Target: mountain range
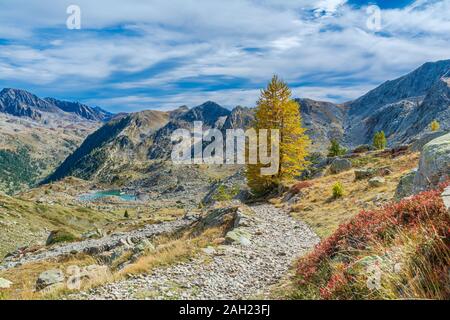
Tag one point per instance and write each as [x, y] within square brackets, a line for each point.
[21, 103]
[403, 108]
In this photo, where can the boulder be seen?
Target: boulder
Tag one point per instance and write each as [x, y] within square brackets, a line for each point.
[446, 198]
[110, 257]
[340, 165]
[93, 234]
[238, 236]
[219, 241]
[59, 236]
[418, 144]
[144, 245]
[49, 278]
[95, 272]
[209, 250]
[227, 217]
[361, 174]
[434, 165]
[377, 182]
[5, 284]
[406, 185]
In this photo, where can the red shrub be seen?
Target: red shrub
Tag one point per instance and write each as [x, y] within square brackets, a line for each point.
[336, 282]
[425, 209]
[299, 186]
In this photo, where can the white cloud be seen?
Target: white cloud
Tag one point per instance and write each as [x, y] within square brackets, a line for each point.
[205, 39]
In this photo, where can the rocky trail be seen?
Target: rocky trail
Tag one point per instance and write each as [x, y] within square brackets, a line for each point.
[98, 246]
[269, 241]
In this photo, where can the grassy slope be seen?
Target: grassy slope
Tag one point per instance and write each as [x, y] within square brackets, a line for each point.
[29, 151]
[398, 252]
[325, 214]
[406, 243]
[26, 223]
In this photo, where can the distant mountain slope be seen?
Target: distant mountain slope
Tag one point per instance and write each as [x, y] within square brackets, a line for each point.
[323, 121]
[30, 150]
[21, 103]
[84, 111]
[240, 117]
[209, 113]
[403, 108]
[125, 144]
[412, 85]
[122, 141]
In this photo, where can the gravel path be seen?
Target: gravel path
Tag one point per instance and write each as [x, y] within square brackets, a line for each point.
[227, 272]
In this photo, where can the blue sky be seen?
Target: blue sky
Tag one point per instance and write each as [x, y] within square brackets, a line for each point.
[160, 54]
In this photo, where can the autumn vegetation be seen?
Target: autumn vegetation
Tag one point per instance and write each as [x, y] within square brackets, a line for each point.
[277, 110]
[401, 249]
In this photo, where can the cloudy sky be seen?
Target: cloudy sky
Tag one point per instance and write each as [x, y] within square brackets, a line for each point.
[140, 54]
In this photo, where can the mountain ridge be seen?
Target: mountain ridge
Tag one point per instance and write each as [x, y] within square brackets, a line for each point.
[21, 103]
[402, 107]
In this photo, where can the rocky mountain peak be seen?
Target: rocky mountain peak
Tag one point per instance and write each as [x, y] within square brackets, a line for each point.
[84, 111]
[207, 112]
[414, 84]
[21, 103]
[403, 107]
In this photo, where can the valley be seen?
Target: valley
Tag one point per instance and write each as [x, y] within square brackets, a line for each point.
[82, 189]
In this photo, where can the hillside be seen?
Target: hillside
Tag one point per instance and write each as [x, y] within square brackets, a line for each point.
[123, 140]
[21, 103]
[402, 108]
[396, 106]
[36, 135]
[30, 150]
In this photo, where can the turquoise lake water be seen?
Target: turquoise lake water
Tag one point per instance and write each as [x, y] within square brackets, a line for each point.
[109, 193]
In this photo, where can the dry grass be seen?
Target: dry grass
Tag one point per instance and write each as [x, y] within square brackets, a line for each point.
[418, 256]
[171, 251]
[324, 214]
[24, 277]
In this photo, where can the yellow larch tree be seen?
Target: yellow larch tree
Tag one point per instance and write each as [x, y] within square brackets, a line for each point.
[277, 110]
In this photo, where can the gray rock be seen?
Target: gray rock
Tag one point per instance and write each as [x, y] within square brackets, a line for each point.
[340, 165]
[405, 186]
[209, 251]
[49, 278]
[419, 143]
[296, 198]
[377, 182]
[434, 165]
[218, 217]
[238, 236]
[143, 246]
[93, 234]
[361, 174]
[5, 284]
[446, 198]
